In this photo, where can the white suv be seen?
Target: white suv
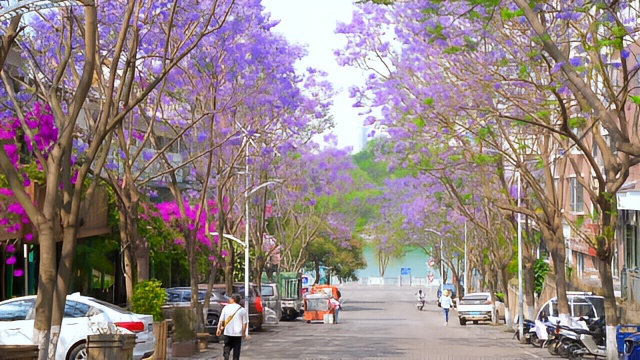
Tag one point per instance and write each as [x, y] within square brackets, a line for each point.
[478, 307]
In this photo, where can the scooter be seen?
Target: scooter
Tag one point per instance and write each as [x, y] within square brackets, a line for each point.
[561, 339]
[528, 331]
[592, 341]
[420, 304]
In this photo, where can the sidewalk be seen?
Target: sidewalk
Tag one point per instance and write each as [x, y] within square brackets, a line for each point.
[214, 351]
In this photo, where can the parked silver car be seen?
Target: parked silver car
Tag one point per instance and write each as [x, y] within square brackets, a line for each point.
[181, 297]
[271, 300]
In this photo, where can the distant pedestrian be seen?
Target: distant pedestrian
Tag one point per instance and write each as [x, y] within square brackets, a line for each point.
[335, 308]
[233, 324]
[446, 303]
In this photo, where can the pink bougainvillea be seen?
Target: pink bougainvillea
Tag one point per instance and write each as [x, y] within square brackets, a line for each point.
[39, 136]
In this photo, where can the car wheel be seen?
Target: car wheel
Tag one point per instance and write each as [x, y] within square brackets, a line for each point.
[79, 352]
[475, 322]
[463, 321]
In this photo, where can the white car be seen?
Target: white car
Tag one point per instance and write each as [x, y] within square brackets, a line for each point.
[478, 307]
[83, 316]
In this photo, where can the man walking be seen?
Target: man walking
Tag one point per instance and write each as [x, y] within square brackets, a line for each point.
[233, 323]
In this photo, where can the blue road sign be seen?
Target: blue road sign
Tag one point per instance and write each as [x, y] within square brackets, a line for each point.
[405, 271]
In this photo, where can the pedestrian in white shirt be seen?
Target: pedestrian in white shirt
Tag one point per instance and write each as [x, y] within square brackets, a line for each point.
[446, 303]
[233, 324]
[335, 307]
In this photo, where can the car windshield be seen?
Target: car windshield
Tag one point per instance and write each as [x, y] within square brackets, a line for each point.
[267, 290]
[598, 304]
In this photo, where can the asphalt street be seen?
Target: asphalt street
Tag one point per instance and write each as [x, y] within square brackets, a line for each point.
[382, 322]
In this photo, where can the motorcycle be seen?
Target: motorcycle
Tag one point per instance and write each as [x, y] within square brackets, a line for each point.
[420, 304]
[592, 341]
[528, 331]
[561, 339]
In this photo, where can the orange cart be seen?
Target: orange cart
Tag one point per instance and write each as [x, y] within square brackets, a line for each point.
[316, 306]
[330, 290]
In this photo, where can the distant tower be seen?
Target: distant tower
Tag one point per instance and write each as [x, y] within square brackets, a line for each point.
[366, 135]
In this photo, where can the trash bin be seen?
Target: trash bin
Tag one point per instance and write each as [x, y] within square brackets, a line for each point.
[18, 352]
[110, 346]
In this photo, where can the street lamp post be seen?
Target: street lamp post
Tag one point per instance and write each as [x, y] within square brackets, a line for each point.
[246, 226]
[245, 245]
[520, 300]
[466, 287]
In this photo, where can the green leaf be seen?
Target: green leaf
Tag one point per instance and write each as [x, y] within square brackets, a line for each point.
[452, 50]
[635, 99]
[428, 101]
[577, 122]
[523, 72]
[507, 14]
[419, 122]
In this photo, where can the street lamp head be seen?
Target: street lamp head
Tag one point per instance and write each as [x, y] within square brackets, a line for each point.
[230, 237]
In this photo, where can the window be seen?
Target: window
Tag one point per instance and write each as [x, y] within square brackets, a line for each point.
[16, 310]
[583, 308]
[579, 264]
[74, 309]
[553, 309]
[577, 195]
[267, 291]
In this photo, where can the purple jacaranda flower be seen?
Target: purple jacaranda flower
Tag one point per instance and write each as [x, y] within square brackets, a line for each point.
[28, 237]
[147, 155]
[624, 53]
[18, 272]
[574, 61]
[11, 248]
[11, 261]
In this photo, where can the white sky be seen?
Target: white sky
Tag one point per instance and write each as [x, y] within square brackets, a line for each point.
[312, 23]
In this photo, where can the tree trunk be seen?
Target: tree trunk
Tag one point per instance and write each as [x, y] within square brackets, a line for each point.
[316, 266]
[529, 288]
[127, 257]
[229, 270]
[558, 255]
[605, 242]
[46, 282]
[65, 268]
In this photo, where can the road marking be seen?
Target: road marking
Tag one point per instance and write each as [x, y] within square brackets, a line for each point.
[534, 355]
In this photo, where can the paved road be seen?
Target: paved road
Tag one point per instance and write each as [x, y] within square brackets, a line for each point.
[383, 323]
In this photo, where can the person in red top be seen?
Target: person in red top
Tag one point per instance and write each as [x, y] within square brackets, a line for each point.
[335, 308]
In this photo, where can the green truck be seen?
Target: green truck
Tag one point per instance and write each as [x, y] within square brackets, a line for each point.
[288, 294]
